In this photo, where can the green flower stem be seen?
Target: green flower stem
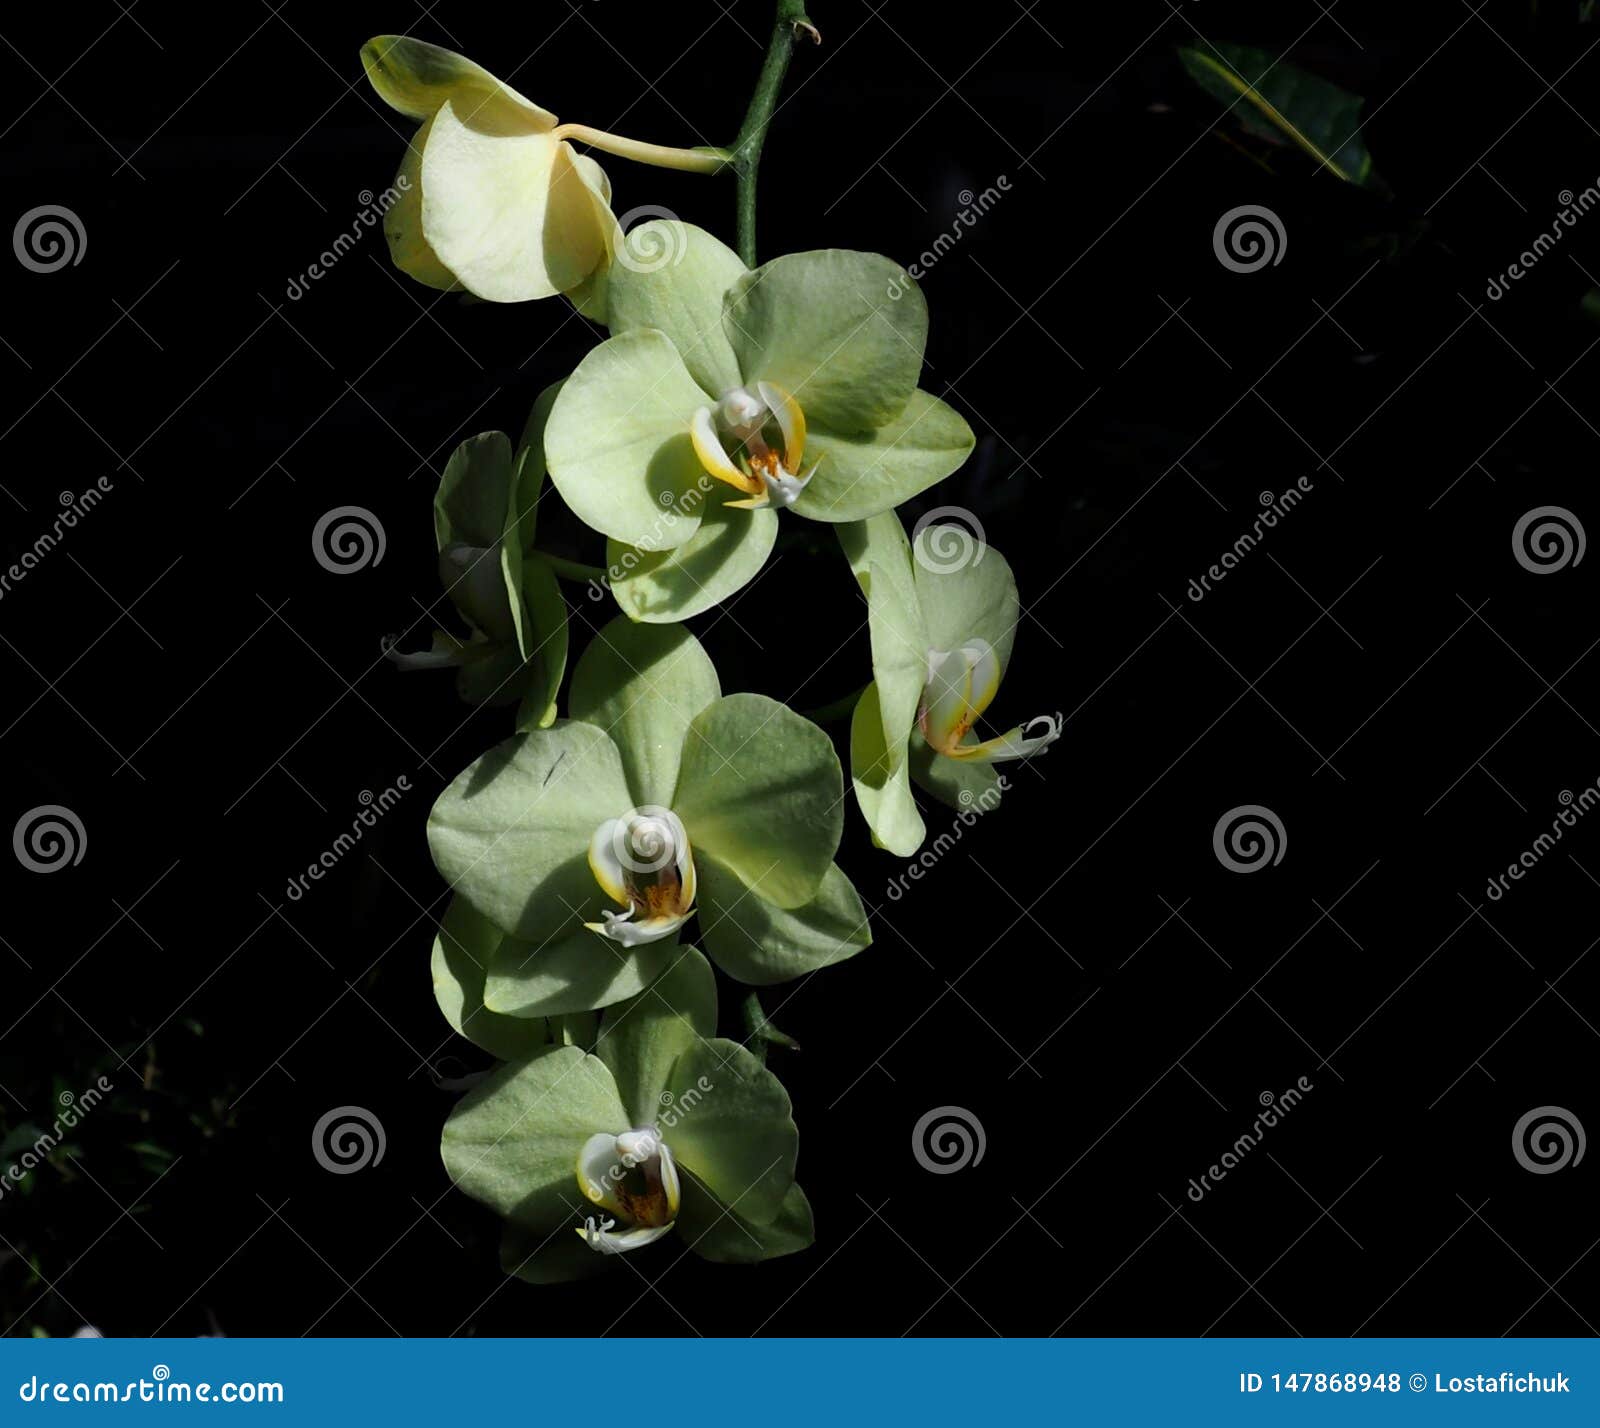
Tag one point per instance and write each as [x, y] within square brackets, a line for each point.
[572, 569]
[759, 1031]
[694, 161]
[791, 18]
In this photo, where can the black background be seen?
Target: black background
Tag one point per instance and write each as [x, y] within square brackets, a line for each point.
[1080, 972]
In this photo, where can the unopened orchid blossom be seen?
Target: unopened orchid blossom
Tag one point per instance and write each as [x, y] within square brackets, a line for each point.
[587, 846]
[942, 614]
[664, 1127]
[492, 197]
[484, 518]
[726, 394]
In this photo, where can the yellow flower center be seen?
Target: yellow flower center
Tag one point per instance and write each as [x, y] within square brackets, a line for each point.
[754, 440]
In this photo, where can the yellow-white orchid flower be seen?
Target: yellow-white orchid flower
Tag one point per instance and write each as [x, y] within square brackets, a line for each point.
[643, 862]
[754, 440]
[962, 683]
[633, 1180]
[492, 196]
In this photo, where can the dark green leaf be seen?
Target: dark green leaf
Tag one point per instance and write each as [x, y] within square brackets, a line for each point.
[1282, 104]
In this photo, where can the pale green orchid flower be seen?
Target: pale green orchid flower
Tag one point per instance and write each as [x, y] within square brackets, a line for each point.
[790, 385]
[581, 850]
[484, 518]
[662, 1127]
[491, 195]
[942, 630]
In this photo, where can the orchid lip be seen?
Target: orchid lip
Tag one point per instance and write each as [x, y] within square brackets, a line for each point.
[961, 684]
[643, 862]
[620, 927]
[754, 440]
[632, 1180]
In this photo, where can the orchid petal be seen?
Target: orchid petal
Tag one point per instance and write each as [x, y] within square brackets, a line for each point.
[708, 447]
